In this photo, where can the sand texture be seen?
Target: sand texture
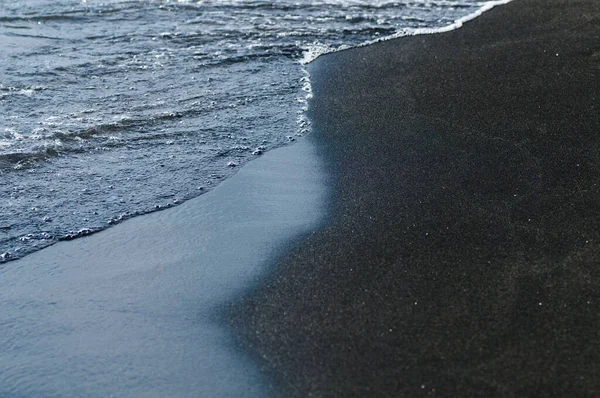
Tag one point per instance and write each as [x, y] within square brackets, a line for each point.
[463, 254]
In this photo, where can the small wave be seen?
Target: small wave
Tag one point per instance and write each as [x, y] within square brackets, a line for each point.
[370, 30]
[483, 7]
[317, 49]
[314, 50]
[125, 124]
[42, 18]
[27, 160]
[104, 129]
[28, 90]
[16, 34]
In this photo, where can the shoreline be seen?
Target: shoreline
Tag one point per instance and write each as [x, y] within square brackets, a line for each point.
[134, 310]
[45, 239]
[461, 256]
[310, 56]
[390, 252]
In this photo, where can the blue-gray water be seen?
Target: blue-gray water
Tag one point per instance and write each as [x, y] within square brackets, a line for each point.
[109, 109]
[136, 310]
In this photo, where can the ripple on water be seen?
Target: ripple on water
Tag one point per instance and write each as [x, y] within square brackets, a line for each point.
[111, 108]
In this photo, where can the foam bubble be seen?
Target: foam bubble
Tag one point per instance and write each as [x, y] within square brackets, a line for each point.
[316, 49]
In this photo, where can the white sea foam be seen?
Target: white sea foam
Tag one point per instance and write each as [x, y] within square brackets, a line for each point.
[206, 83]
[453, 26]
[317, 49]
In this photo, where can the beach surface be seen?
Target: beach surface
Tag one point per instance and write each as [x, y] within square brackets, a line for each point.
[437, 234]
[463, 254]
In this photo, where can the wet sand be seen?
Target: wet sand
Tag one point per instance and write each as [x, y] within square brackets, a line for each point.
[463, 254]
[133, 311]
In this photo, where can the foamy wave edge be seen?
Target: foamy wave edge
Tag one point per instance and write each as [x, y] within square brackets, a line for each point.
[319, 49]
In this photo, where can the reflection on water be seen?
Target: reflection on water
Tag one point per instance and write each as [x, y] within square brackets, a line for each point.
[130, 311]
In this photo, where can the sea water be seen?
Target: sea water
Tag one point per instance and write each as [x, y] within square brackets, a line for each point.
[111, 109]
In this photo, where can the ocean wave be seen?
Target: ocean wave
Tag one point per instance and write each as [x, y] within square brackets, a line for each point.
[141, 103]
[19, 161]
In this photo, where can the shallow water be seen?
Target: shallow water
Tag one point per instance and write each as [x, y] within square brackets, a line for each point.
[135, 311]
[116, 108]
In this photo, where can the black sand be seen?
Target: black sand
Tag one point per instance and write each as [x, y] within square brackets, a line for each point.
[463, 253]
